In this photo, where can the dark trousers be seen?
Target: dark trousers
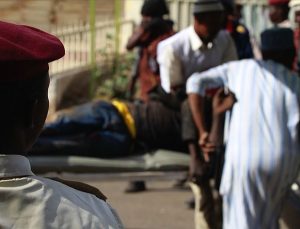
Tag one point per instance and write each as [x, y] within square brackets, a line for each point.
[189, 129]
[211, 201]
[93, 129]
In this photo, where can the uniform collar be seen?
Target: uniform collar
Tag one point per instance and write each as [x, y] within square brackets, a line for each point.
[14, 166]
[285, 24]
[196, 42]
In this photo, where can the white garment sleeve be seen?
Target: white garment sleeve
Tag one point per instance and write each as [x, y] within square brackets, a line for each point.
[170, 69]
[230, 53]
[198, 83]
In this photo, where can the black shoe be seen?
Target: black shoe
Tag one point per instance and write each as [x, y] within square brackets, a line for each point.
[190, 203]
[136, 186]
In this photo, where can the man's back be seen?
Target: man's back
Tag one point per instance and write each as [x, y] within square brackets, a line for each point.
[264, 121]
[35, 202]
[263, 134]
[268, 105]
[262, 154]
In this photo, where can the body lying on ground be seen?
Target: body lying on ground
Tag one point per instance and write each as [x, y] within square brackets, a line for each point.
[112, 129]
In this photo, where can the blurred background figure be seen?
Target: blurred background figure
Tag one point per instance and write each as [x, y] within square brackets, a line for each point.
[279, 13]
[146, 37]
[152, 29]
[239, 10]
[295, 9]
[237, 30]
[195, 49]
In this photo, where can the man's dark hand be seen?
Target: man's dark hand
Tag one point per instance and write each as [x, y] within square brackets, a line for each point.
[207, 146]
[223, 101]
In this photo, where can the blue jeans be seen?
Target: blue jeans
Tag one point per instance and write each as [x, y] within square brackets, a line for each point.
[93, 129]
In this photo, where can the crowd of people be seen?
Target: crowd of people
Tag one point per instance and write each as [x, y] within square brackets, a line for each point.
[201, 91]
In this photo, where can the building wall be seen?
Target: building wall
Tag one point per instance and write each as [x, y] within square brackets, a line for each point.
[46, 14]
[132, 10]
[181, 11]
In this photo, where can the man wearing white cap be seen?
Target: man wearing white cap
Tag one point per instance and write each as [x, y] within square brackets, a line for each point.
[262, 150]
[194, 49]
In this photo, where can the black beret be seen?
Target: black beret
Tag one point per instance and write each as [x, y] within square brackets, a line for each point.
[277, 39]
[154, 8]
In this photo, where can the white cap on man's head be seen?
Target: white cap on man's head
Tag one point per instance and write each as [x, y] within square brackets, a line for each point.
[203, 6]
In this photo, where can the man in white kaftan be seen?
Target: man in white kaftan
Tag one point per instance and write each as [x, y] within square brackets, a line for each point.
[262, 150]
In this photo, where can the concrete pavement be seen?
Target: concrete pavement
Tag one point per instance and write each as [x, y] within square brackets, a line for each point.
[160, 207]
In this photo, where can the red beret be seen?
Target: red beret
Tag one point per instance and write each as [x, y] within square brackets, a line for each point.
[26, 51]
[278, 2]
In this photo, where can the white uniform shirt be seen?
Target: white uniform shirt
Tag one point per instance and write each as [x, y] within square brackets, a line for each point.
[184, 54]
[262, 151]
[35, 202]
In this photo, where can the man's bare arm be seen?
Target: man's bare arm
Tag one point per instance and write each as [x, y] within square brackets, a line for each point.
[221, 103]
[135, 38]
[196, 105]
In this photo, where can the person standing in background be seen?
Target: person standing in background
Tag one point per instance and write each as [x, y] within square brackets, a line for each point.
[295, 7]
[238, 31]
[194, 49]
[279, 13]
[146, 37]
[153, 29]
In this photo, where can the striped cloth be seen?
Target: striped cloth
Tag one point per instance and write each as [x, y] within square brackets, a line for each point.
[262, 153]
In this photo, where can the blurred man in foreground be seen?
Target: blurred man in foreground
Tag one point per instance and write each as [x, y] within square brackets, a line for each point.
[27, 200]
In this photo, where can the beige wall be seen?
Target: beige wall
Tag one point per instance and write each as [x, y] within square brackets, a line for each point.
[132, 10]
[47, 13]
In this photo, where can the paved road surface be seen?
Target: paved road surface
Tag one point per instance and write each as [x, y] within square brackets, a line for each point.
[161, 207]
